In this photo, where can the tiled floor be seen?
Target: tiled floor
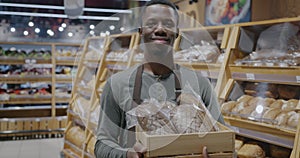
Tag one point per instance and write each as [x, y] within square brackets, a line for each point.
[34, 148]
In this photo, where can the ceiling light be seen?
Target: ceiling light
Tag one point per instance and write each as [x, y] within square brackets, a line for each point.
[31, 24]
[107, 33]
[122, 29]
[63, 8]
[92, 32]
[102, 34]
[12, 29]
[37, 30]
[25, 33]
[70, 34]
[60, 29]
[64, 25]
[58, 15]
[92, 27]
[111, 27]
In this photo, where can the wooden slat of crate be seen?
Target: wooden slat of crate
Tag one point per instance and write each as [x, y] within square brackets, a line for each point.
[20, 127]
[11, 125]
[184, 144]
[63, 123]
[3, 125]
[28, 125]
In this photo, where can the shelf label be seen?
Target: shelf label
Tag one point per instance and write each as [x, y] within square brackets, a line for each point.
[250, 76]
[298, 79]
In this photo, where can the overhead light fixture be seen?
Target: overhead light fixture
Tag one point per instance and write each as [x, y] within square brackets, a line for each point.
[60, 29]
[63, 8]
[111, 27]
[12, 29]
[58, 15]
[37, 30]
[31, 24]
[70, 34]
[25, 33]
[64, 25]
[92, 27]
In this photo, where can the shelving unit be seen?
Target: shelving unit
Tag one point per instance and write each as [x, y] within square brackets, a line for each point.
[29, 114]
[205, 47]
[240, 69]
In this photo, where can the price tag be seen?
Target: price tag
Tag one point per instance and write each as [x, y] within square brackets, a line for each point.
[298, 79]
[250, 76]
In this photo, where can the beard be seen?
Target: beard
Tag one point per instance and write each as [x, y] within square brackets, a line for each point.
[157, 52]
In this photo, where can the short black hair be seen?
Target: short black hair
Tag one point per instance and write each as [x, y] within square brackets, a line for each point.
[163, 2]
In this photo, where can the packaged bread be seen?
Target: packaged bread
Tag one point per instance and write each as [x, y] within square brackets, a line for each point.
[76, 136]
[282, 118]
[277, 104]
[227, 107]
[259, 112]
[261, 101]
[290, 105]
[293, 119]
[251, 151]
[271, 114]
[279, 152]
[238, 144]
[244, 98]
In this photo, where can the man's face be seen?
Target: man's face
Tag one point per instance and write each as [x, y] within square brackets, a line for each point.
[159, 28]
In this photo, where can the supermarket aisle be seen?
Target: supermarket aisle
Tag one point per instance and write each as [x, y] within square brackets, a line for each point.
[34, 148]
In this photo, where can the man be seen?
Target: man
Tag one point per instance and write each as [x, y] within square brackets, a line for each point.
[158, 77]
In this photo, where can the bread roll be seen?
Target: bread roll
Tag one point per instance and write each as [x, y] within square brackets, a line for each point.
[251, 151]
[282, 118]
[271, 114]
[227, 107]
[293, 119]
[279, 152]
[290, 105]
[238, 144]
[244, 98]
[277, 104]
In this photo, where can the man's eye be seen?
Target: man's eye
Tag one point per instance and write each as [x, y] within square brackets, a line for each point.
[169, 24]
[150, 24]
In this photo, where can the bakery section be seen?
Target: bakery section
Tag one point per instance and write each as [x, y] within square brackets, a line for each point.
[260, 99]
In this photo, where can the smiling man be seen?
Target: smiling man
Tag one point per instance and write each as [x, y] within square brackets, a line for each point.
[157, 77]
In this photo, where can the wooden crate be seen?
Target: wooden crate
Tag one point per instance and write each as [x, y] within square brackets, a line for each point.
[221, 142]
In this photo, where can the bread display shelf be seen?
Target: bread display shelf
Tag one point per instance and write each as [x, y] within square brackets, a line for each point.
[263, 132]
[19, 60]
[29, 100]
[66, 61]
[187, 144]
[269, 74]
[25, 78]
[63, 78]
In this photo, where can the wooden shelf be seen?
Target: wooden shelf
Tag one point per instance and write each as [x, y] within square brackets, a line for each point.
[25, 78]
[68, 61]
[21, 60]
[64, 79]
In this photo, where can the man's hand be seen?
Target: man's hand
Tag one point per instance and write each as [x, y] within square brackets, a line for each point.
[204, 152]
[138, 151]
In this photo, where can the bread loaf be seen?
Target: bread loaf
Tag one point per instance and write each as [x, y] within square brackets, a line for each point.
[279, 152]
[246, 111]
[238, 144]
[277, 104]
[259, 112]
[227, 107]
[290, 105]
[239, 106]
[282, 118]
[251, 151]
[244, 98]
[287, 91]
[91, 145]
[76, 136]
[293, 119]
[271, 114]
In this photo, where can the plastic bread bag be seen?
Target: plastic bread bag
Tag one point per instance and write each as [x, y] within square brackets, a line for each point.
[153, 117]
[277, 37]
[198, 118]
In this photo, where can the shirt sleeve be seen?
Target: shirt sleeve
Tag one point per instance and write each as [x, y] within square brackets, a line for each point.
[109, 127]
[210, 99]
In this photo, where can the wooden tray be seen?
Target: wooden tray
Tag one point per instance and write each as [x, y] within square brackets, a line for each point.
[186, 144]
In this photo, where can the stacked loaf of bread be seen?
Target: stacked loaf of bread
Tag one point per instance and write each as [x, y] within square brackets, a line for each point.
[159, 118]
[273, 111]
